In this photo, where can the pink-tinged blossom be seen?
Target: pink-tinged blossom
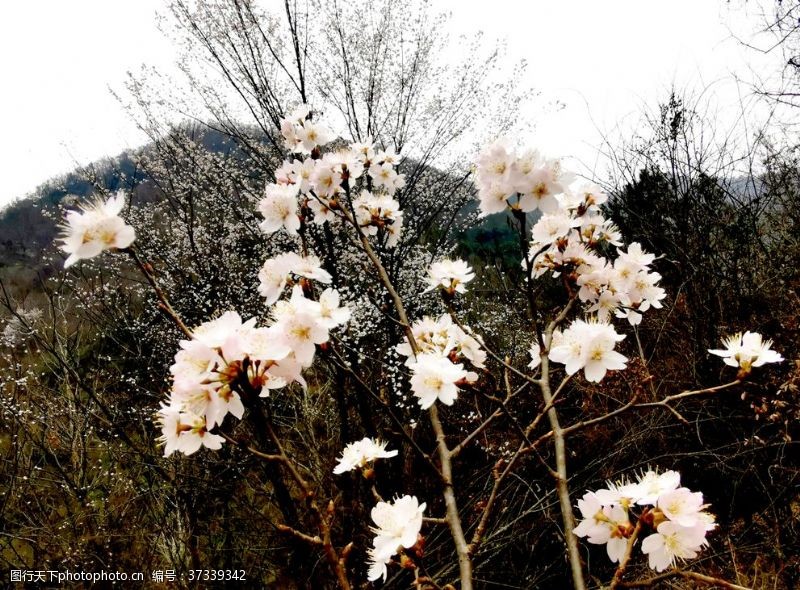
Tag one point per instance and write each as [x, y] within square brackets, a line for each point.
[384, 176]
[651, 485]
[298, 320]
[326, 179]
[525, 183]
[365, 151]
[350, 164]
[185, 432]
[493, 199]
[331, 313]
[376, 212]
[545, 183]
[551, 227]
[207, 367]
[322, 211]
[94, 229]
[388, 156]
[495, 166]
[301, 134]
[590, 196]
[300, 174]
[623, 493]
[311, 135]
[604, 525]
[676, 514]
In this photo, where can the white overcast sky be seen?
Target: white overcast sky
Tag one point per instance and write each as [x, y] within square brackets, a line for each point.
[603, 60]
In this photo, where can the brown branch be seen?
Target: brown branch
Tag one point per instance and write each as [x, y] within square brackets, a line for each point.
[651, 582]
[453, 517]
[315, 540]
[454, 452]
[164, 304]
[627, 557]
[666, 402]
[323, 518]
[562, 481]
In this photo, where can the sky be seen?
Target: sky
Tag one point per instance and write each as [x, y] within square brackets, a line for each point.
[602, 61]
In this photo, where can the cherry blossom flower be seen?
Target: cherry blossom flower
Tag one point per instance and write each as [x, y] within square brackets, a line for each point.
[96, 228]
[397, 525]
[442, 337]
[651, 485]
[361, 453]
[451, 275]
[384, 176]
[551, 227]
[185, 432]
[681, 506]
[327, 177]
[376, 212]
[279, 209]
[495, 166]
[298, 320]
[589, 346]
[276, 272]
[227, 354]
[310, 135]
[544, 183]
[604, 525]
[331, 313]
[746, 351]
[671, 542]
[434, 378]
[301, 134]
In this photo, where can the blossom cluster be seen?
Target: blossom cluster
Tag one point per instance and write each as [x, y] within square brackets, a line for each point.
[301, 134]
[572, 240]
[227, 358]
[314, 187]
[96, 228]
[436, 373]
[397, 526]
[676, 515]
[526, 183]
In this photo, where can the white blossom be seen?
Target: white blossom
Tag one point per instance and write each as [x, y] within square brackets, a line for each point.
[397, 524]
[747, 350]
[451, 275]
[96, 228]
[361, 453]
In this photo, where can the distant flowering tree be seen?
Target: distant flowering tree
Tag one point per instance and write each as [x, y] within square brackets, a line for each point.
[228, 365]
